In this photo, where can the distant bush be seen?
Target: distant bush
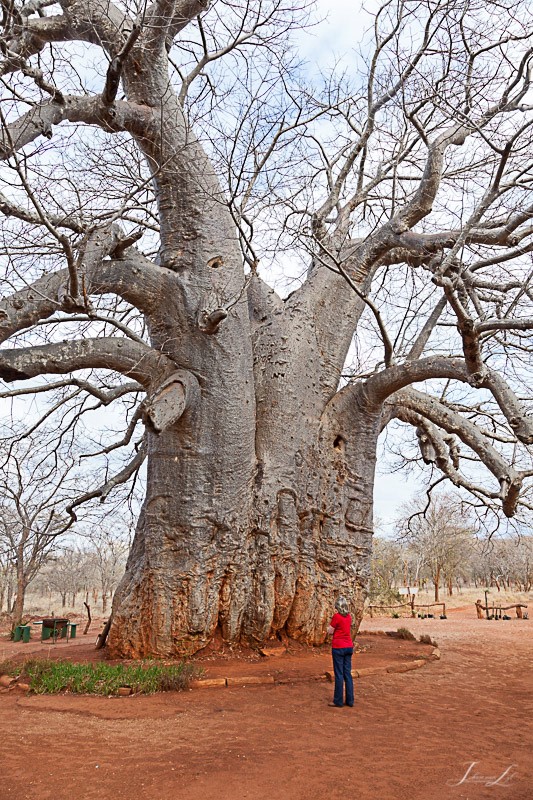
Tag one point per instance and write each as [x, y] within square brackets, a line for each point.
[383, 596]
[405, 633]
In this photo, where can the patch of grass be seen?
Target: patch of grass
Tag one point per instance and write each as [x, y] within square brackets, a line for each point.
[146, 677]
[9, 668]
[405, 633]
[426, 639]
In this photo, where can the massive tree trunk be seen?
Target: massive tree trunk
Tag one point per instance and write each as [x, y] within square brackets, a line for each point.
[259, 501]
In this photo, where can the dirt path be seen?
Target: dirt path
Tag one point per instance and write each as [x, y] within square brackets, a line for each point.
[412, 735]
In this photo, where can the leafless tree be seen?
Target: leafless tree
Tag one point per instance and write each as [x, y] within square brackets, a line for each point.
[505, 563]
[65, 574]
[386, 570]
[34, 484]
[105, 560]
[157, 158]
[523, 565]
[6, 581]
[92, 567]
[441, 537]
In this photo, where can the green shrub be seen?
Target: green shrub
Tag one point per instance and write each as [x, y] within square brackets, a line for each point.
[146, 677]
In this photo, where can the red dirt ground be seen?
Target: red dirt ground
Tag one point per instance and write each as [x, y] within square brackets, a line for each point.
[411, 736]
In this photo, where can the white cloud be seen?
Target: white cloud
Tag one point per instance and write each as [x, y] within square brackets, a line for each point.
[340, 31]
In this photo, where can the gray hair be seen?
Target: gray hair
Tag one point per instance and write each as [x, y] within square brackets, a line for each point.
[341, 604]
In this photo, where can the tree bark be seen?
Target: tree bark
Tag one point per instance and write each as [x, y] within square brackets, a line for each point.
[436, 581]
[18, 605]
[258, 509]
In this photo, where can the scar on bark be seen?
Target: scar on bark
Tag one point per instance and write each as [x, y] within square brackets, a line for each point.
[168, 402]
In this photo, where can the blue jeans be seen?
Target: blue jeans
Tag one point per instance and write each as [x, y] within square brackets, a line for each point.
[342, 667]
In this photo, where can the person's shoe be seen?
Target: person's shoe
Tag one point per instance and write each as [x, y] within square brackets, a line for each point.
[334, 705]
[350, 705]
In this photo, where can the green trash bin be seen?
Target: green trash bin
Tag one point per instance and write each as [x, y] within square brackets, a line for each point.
[26, 633]
[73, 626]
[45, 633]
[18, 633]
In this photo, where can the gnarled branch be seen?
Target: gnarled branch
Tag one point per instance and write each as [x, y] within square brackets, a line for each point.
[137, 361]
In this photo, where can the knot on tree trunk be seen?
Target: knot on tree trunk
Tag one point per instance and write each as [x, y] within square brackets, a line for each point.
[168, 402]
[210, 321]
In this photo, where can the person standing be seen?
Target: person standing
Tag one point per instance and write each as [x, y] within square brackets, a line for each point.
[341, 652]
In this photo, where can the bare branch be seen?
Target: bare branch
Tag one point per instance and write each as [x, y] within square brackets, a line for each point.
[135, 360]
[429, 326]
[439, 414]
[105, 397]
[114, 71]
[164, 19]
[135, 279]
[121, 477]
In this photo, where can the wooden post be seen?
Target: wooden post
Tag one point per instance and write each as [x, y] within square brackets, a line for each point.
[89, 620]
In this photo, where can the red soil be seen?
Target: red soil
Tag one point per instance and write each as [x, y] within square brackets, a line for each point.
[411, 735]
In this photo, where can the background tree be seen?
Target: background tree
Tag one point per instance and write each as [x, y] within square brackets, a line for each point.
[34, 484]
[106, 560]
[6, 580]
[441, 537]
[504, 563]
[90, 569]
[66, 573]
[386, 570]
[523, 574]
[397, 195]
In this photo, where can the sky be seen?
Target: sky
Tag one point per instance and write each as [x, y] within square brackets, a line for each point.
[335, 39]
[340, 31]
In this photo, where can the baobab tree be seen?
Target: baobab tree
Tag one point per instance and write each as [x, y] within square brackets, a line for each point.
[158, 158]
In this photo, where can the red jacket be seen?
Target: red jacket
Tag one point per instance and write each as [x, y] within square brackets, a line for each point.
[342, 625]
